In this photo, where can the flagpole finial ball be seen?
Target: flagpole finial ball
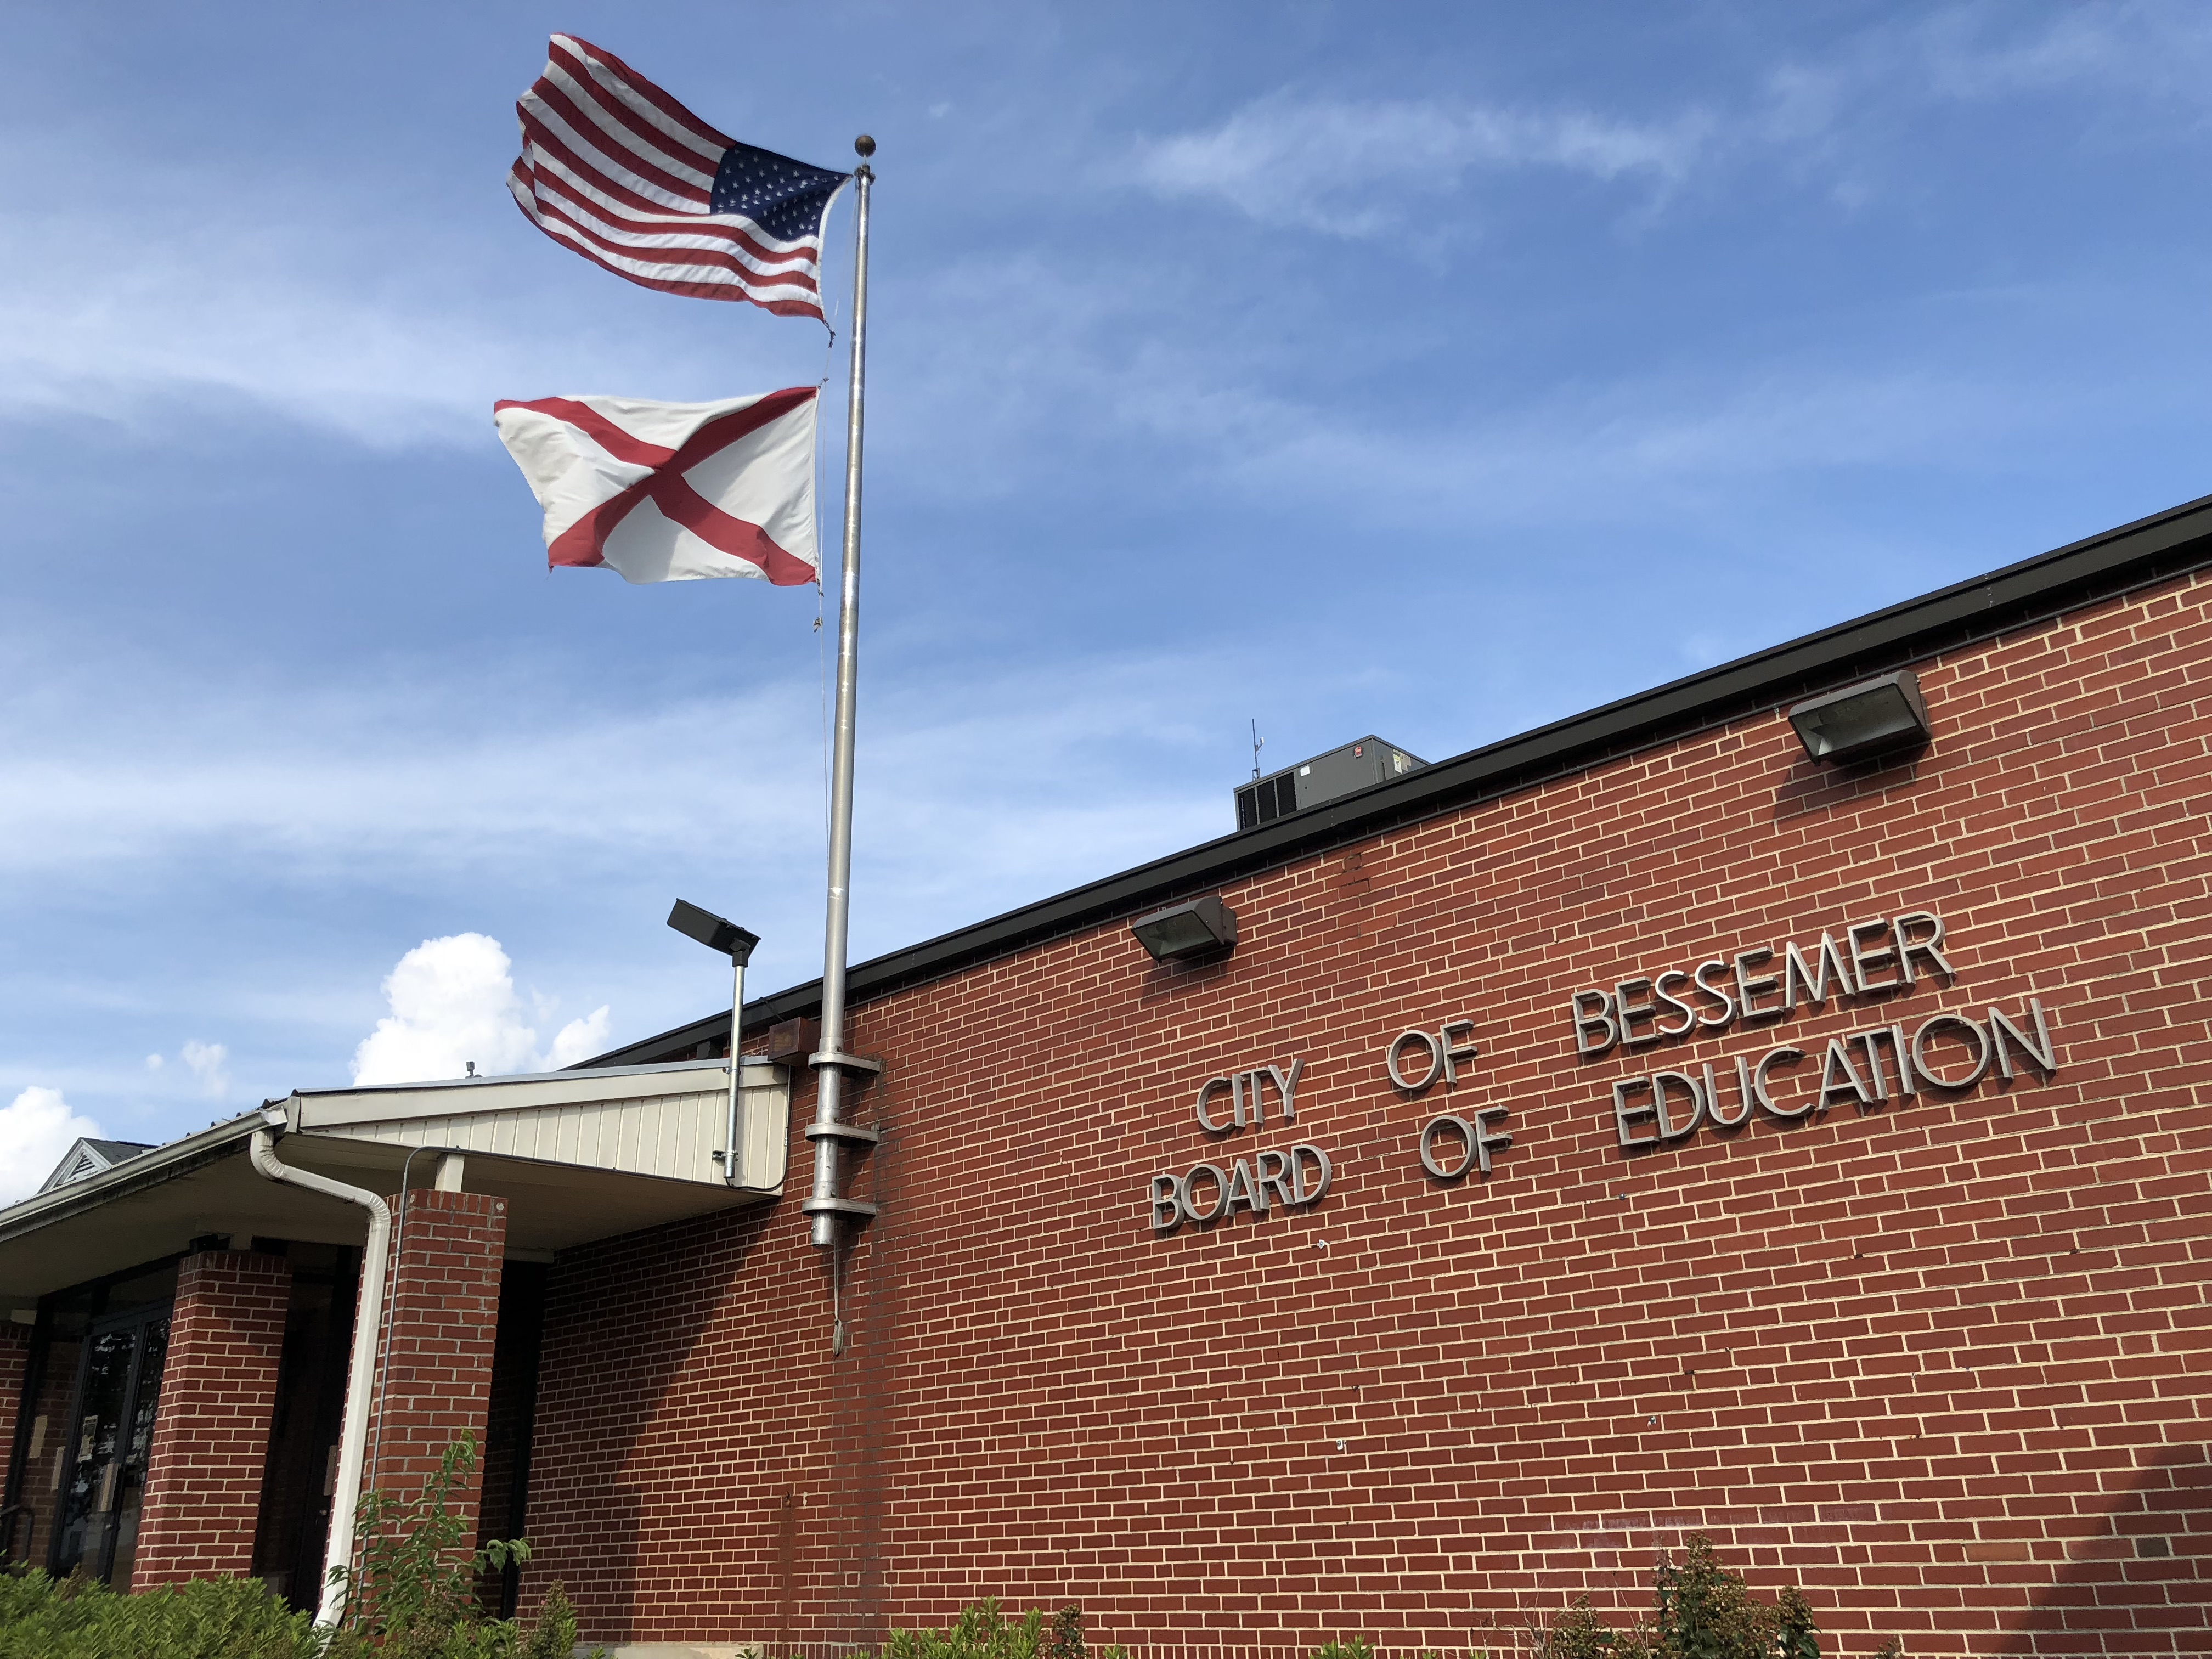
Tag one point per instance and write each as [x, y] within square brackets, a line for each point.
[863, 146]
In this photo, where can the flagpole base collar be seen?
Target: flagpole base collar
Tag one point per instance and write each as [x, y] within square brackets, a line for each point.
[859, 1208]
[852, 1131]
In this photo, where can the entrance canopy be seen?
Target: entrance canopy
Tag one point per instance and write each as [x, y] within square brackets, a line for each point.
[577, 1155]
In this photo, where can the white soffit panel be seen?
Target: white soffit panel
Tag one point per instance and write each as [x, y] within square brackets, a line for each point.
[666, 1122]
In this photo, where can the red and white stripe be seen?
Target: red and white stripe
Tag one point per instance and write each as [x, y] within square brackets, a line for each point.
[623, 174]
[667, 492]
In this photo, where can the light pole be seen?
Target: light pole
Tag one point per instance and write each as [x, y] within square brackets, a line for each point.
[717, 933]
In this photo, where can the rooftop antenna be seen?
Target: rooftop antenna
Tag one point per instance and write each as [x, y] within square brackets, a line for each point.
[1258, 744]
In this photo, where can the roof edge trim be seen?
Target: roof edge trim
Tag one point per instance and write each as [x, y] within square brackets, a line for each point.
[2104, 566]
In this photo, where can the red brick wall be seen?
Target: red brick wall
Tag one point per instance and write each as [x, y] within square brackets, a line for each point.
[1943, 1361]
[15, 1360]
[211, 1428]
[443, 1319]
[44, 1453]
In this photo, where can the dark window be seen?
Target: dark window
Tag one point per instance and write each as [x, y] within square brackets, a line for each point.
[96, 1526]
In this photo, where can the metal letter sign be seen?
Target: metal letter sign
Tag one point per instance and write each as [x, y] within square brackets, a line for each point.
[1247, 1098]
[1480, 1143]
[1444, 1055]
[1260, 1185]
[1207, 1192]
[1865, 1068]
[1445, 1051]
[1659, 1105]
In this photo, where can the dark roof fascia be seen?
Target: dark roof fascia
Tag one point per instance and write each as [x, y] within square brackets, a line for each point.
[2100, 567]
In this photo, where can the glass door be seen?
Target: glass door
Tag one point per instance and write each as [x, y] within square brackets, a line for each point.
[119, 1384]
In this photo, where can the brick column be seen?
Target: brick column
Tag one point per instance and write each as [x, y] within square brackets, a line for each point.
[444, 1315]
[211, 1424]
[15, 1361]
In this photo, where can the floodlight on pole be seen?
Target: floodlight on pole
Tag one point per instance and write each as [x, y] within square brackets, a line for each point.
[719, 933]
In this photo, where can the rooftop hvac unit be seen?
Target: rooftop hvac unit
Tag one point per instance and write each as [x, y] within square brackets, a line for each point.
[1324, 778]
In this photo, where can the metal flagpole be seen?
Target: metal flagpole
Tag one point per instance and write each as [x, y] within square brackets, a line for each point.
[828, 1205]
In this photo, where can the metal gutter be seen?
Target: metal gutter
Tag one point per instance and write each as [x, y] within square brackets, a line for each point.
[2100, 567]
[211, 1144]
[569, 1076]
[178, 1157]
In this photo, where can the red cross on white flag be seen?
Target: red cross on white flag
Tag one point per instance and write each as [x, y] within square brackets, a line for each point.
[668, 492]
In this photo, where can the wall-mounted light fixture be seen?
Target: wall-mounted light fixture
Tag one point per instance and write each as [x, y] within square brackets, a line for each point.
[717, 933]
[1875, 717]
[1187, 930]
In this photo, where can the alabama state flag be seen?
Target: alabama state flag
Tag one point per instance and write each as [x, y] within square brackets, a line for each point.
[667, 492]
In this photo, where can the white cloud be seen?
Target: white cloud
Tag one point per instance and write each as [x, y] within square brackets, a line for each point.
[154, 1062]
[1980, 51]
[579, 1039]
[1839, 109]
[454, 1001]
[36, 1128]
[203, 322]
[304, 312]
[434, 777]
[209, 1063]
[1363, 168]
[1350, 168]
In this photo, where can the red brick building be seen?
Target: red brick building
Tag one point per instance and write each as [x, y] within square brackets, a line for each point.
[1848, 1198]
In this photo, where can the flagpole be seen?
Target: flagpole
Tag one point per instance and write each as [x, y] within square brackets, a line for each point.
[828, 1206]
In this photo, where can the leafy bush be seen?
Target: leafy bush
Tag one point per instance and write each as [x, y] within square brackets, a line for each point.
[415, 1597]
[418, 1584]
[1579, 1633]
[43, 1618]
[417, 1600]
[1066, 1641]
[1705, 1612]
[982, 1632]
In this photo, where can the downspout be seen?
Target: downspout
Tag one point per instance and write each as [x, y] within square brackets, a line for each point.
[361, 1371]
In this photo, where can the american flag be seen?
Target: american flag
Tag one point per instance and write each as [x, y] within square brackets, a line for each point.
[625, 175]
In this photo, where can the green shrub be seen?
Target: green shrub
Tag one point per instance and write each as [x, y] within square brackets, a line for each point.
[417, 1600]
[1066, 1641]
[415, 1597]
[43, 1618]
[980, 1631]
[1704, 1611]
[555, 1635]
[983, 1632]
[1579, 1633]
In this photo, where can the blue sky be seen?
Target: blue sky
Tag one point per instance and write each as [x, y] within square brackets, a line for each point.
[1433, 371]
